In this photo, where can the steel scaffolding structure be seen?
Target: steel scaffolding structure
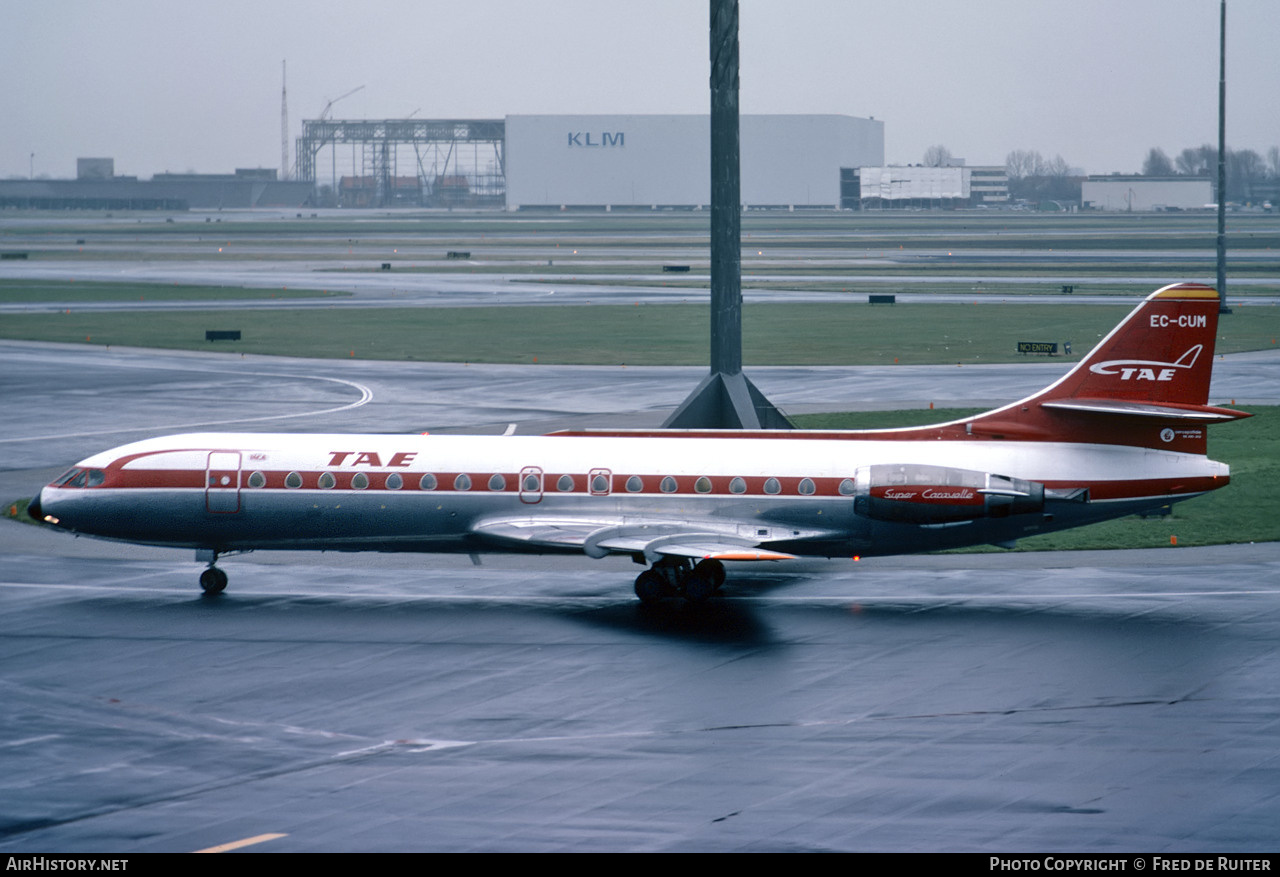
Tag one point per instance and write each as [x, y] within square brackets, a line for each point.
[444, 171]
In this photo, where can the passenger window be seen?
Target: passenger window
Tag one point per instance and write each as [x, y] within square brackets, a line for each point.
[847, 487]
[737, 485]
[668, 485]
[772, 486]
[360, 481]
[531, 483]
[327, 480]
[427, 482]
[806, 486]
[565, 483]
[600, 484]
[462, 482]
[702, 485]
[634, 484]
[293, 480]
[257, 479]
[497, 482]
[394, 481]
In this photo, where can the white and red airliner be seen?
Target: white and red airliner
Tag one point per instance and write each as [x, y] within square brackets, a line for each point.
[1122, 433]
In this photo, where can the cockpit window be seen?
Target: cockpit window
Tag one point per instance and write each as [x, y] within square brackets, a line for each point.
[80, 479]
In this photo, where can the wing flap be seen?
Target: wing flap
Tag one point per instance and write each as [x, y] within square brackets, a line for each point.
[653, 539]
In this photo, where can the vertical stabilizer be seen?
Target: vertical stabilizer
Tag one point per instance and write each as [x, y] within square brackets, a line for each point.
[1145, 384]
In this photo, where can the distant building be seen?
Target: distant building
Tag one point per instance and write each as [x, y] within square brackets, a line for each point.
[664, 161]
[917, 186]
[95, 168]
[1138, 193]
[96, 187]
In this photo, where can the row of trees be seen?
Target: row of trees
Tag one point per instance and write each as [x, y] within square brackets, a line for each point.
[1036, 178]
[1246, 169]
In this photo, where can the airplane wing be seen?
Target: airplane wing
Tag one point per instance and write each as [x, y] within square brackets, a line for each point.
[595, 537]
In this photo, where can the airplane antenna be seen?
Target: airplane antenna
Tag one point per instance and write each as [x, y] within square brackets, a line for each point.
[726, 399]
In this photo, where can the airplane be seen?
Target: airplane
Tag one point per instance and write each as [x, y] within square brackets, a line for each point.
[1123, 432]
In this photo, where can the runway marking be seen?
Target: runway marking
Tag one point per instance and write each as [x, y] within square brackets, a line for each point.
[237, 844]
[366, 396]
[27, 740]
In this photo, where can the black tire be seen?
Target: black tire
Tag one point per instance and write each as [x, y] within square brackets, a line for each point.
[699, 586]
[651, 587]
[213, 581]
[711, 569]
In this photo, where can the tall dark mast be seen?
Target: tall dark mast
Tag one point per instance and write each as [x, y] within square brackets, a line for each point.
[726, 399]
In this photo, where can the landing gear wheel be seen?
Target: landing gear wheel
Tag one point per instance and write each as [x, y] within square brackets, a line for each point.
[711, 569]
[698, 586]
[213, 581]
[651, 587]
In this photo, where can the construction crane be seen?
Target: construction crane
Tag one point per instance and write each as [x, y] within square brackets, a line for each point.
[324, 114]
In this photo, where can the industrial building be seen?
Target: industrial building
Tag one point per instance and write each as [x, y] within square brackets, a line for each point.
[520, 162]
[916, 186]
[580, 161]
[1137, 193]
[791, 161]
[96, 187]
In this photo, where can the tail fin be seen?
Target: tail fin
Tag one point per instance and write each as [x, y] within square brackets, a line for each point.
[1145, 384]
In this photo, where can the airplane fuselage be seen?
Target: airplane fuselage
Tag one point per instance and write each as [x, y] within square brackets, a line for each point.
[229, 492]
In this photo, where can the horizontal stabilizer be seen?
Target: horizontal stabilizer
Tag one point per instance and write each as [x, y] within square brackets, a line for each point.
[1189, 413]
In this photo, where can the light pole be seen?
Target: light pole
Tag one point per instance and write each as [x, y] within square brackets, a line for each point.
[1222, 162]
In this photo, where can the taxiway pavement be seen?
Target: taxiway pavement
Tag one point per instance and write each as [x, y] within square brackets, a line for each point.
[1109, 701]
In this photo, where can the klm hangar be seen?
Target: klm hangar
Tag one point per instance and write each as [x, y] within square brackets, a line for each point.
[662, 162]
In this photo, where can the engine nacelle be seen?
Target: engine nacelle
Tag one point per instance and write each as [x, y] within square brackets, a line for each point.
[940, 494]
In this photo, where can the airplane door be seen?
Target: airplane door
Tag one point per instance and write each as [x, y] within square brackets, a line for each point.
[222, 482]
[530, 484]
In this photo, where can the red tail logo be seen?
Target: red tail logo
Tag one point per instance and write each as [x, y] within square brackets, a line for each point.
[1146, 369]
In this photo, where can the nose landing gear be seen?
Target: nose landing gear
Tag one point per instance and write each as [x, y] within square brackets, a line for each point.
[680, 577]
[213, 581]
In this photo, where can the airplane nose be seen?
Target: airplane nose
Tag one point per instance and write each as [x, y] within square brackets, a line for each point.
[33, 508]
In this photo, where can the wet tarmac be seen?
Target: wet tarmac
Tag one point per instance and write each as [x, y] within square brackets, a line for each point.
[1100, 701]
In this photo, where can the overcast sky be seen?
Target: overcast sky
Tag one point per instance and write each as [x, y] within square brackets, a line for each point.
[177, 86]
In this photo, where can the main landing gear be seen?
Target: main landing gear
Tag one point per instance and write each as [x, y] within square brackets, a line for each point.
[680, 577]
